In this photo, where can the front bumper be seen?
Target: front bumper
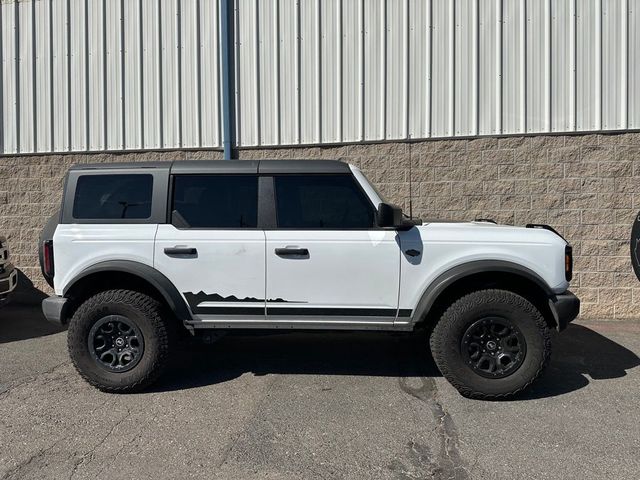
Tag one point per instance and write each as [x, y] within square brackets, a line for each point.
[54, 309]
[565, 307]
[8, 282]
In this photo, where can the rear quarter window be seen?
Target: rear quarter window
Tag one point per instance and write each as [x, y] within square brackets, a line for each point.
[111, 197]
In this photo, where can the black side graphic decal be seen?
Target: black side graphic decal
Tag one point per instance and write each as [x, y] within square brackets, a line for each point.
[195, 299]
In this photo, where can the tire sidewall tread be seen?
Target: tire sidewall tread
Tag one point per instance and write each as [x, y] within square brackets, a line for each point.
[147, 313]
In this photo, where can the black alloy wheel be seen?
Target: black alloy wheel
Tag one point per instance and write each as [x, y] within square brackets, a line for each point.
[493, 347]
[116, 343]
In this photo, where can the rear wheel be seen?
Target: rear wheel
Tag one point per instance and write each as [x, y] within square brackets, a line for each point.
[119, 340]
[491, 344]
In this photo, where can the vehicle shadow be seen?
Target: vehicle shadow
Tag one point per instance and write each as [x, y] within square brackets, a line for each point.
[21, 322]
[580, 352]
[308, 353]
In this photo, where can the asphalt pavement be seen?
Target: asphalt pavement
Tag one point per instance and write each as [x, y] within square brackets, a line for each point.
[317, 405]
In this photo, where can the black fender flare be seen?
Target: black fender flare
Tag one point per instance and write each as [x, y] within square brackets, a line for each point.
[161, 283]
[444, 280]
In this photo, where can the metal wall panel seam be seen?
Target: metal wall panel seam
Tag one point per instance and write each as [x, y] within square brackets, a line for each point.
[523, 66]
[16, 60]
[34, 78]
[476, 68]
[198, 74]
[452, 68]
[361, 133]
[141, 67]
[406, 47]
[2, 92]
[624, 72]
[256, 46]
[429, 66]
[298, 73]
[383, 71]
[87, 88]
[547, 34]
[69, 107]
[319, 71]
[51, 114]
[339, 74]
[573, 83]
[598, 75]
[123, 90]
[178, 47]
[276, 39]
[105, 103]
[160, 80]
[498, 47]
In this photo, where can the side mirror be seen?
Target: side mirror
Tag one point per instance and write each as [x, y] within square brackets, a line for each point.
[389, 216]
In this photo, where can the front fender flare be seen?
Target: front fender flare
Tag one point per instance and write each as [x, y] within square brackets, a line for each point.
[444, 280]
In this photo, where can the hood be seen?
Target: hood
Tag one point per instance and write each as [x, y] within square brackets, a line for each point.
[482, 231]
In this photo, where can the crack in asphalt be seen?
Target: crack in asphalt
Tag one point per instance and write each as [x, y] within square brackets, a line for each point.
[448, 464]
[31, 379]
[22, 469]
[89, 455]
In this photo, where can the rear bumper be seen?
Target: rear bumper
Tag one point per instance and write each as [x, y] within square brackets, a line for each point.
[54, 309]
[565, 308]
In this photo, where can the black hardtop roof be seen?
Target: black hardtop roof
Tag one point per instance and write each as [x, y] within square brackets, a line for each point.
[185, 167]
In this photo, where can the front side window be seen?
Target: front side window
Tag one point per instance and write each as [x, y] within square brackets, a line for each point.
[113, 196]
[216, 201]
[321, 201]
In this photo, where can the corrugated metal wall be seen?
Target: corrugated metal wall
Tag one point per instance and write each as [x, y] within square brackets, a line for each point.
[396, 69]
[101, 75]
[144, 74]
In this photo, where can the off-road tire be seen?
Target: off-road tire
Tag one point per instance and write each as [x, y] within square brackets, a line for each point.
[446, 343]
[147, 314]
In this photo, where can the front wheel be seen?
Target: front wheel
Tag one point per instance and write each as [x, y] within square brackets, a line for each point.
[491, 344]
[119, 340]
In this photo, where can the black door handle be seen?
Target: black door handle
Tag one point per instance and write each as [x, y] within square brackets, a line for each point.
[412, 252]
[284, 252]
[180, 251]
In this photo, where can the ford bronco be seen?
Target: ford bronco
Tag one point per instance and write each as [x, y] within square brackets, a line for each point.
[140, 251]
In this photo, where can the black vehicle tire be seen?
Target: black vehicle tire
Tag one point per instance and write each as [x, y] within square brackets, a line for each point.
[460, 344]
[132, 312]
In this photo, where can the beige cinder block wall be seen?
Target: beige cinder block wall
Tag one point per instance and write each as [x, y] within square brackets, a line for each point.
[586, 186]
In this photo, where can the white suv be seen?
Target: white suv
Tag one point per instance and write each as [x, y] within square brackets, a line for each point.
[141, 249]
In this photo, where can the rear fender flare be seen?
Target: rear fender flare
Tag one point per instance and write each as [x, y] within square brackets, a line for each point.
[157, 280]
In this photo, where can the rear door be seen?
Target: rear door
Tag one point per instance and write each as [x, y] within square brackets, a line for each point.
[212, 250]
[327, 262]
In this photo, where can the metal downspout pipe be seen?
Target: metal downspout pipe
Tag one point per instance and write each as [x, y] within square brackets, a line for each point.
[228, 113]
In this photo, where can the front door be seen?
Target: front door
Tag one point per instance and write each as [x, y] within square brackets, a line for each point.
[213, 251]
[327, 263]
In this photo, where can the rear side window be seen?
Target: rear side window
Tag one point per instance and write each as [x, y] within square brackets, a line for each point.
[215, 201]
[113, 196]
[321, 201]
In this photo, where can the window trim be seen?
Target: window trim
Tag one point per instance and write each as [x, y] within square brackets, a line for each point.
[171, 196]
[373, 208]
